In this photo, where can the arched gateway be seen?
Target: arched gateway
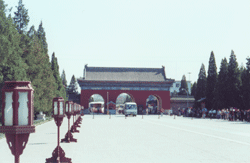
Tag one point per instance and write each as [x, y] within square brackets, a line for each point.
[109, 82]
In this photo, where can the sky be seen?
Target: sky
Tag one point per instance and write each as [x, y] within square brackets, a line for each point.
[179, 34]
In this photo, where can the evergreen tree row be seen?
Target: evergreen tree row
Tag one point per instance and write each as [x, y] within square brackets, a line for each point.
[24, 57]
[228, 88]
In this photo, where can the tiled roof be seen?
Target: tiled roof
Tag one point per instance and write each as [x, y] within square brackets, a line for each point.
[124, 74]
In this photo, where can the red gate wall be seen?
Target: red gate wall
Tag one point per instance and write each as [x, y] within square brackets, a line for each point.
[140, 97]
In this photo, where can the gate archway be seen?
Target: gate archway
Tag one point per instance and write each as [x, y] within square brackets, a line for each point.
[139, 83]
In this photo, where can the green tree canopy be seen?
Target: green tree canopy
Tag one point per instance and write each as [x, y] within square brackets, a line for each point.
[193, 89]
[211, 81]
[64, 81]
[220, 101]
[12, 67]
[184, 88]
[201, 84]
[233, 82]
[73, 86]
[245, 87]
[42, 37]
[21, 17]
[61, 91]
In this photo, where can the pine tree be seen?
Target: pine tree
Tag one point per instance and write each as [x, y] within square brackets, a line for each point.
[201, 84]
[40, 74]
[12, 67]
[128, 99]
[42, 37]
[220, 100]
[211, 82]
[61, 92]
[73, 86]
[193, 89]
[245, 87]
[64, 81]
[233, 83]
[21, 18]
[184, 88]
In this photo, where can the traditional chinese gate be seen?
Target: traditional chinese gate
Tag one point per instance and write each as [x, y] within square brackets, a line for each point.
[139, 83]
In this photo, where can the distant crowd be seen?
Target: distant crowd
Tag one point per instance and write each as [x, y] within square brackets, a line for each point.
[231, 114]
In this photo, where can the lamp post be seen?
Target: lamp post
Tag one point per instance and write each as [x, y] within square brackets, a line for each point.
[58, 154]
[69, 111]
[77, 122]
[73, 127]
[17, 113]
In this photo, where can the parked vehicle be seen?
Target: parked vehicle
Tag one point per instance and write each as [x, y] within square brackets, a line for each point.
[96, 107]
[130, 108]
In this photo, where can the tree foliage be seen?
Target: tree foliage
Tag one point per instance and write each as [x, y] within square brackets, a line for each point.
[64, 81]
[233, 82]
[21, 17]
[42, 37]
[245, 87]
[211, 82]
[194, 89]
[73, 86]
[184, 88]
[12, 67]
[24, 56]
[221, 88]
[40, 74]
[60, 89]
[201, 84]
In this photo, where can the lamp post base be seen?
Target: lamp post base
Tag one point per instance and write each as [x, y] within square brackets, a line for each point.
[17, 143]
[73, 129]
[58, 156]
[69, 138]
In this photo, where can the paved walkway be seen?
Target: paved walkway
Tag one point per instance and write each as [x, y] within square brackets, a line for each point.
[138, 140]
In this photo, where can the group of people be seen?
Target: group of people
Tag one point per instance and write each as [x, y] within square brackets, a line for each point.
[231, 114]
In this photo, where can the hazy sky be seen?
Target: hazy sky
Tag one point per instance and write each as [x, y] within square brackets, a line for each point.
[179, 34]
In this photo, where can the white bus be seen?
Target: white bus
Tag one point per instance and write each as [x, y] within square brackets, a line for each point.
[130, 108]
[96, 107]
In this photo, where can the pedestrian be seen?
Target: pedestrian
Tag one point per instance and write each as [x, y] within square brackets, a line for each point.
[218, 114]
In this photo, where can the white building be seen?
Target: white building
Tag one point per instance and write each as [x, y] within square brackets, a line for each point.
[176, 86]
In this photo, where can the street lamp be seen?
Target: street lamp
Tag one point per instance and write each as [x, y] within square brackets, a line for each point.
[69, 111]
[73, 127]
[58, 154]
[17, 112]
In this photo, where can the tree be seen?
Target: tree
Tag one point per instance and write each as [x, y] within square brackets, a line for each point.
[64, 81]
[12, 67]
[40, 74]
[245, 87]
[21, 17]
[194, 89]
[211, 82]
[42, 37]
[73, 86]
[220, 100]
[183, 86]
[128, 99]
[201, 84]
[61, 92]
[91, 99]
[233, 82]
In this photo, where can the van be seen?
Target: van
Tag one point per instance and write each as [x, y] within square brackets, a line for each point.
[130, 108]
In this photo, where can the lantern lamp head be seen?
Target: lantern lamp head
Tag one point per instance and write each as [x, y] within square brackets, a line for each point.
[69, 107]
[58, 106]
[17, 103]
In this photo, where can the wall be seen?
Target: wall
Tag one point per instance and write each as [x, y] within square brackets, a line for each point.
[140, 97]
